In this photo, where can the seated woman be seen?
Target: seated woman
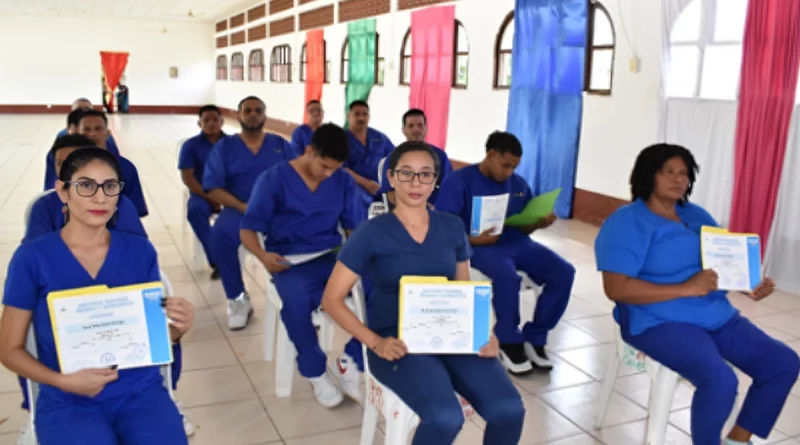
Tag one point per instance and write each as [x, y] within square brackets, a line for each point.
[413, 240]
[669, 308]
[98, 406]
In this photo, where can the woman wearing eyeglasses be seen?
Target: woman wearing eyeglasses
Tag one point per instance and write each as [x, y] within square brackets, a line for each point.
[97, 406]
[413, 240]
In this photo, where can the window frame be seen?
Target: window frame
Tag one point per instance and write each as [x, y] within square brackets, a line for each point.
[234, 67]
[403, 58]
[223, 66]
[250, 65]
[594, 6]
[378, 61]
[304, 61]
[280, 57]
[456, 55]
[499, 51]
[344, 62]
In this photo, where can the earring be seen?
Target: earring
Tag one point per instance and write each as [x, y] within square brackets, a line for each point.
[65, 210]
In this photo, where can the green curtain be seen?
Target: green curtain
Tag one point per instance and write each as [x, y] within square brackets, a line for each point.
[361, 38]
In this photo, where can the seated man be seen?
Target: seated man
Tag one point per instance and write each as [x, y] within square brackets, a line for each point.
[191, 162]
[301, 136]
[367, 147]
[415, 128]
[499, 256]
[94, 125]
[299, 205]
[231, 170]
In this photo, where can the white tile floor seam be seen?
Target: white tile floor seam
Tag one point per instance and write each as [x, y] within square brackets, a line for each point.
[228, 389]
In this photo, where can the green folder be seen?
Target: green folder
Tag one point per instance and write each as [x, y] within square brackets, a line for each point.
[536, 209]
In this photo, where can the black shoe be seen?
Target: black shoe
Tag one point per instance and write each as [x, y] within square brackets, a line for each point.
[538, 357]
[513, 357]
[214, 273]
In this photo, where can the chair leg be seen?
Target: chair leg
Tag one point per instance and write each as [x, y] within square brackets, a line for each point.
[665, 384]
[369, 424]
[326, 329]
[606, 391]
[270, 325]
[284, 366]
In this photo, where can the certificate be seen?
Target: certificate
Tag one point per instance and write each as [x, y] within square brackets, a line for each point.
[438, 316]
[97, 327]
[488, 212]
[736, 257]
[301, 258]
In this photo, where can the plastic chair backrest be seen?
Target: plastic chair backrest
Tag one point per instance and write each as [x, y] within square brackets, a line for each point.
[29, 208]
[166, 370]
[381, 170]
[360, 309]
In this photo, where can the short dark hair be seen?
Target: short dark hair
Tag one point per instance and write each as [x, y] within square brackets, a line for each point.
[241, 102]
[93, 113]
[313, 102]
[358, 103]
[79, 158]
[504, 142]
[651, 160]
[414, 112]
[409, 147]
[330, 141]
[70, 140]
[212, 108]
[74, 117]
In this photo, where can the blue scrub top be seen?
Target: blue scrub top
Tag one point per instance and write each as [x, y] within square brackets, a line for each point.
[297, 220]
[461, 186]
[133, 186]
[445, 168]
[47, 217]
[383, 251]
[50, 160]
[194, 153]
[364, 159]
[301, 138]
[637, 243]
[233, 167]
[46, 265]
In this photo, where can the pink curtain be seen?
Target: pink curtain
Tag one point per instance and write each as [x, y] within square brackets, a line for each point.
[770, 61]
[432, 34]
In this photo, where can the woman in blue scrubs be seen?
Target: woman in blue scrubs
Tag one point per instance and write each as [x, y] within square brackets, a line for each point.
[413, 240]
[97, 406]
[299, 206]
[669, 308]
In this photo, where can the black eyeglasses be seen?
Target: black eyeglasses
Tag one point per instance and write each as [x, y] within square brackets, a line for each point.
[408, 176]
[87, 189]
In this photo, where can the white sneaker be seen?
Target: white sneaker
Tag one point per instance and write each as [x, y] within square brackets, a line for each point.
[239, 312]
[349, 377]
[25, 435]
[325, 391]
[538, 356]
[188, 426]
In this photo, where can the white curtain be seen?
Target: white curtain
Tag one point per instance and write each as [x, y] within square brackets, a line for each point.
[708, 129]
[670, 10]
[782, 259]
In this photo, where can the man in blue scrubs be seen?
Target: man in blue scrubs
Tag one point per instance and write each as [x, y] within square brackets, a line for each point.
[94, 125]
[299, 206]
[301, 137]
[231, 170]
[499, 256]
[415, 128]
[367, 147]
[191, 163]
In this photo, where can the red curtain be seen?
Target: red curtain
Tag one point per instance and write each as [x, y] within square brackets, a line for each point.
[315, 67]
[432, 34]
[770, 61]
[113, 66]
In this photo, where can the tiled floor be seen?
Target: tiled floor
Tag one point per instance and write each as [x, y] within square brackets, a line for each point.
[227, 388]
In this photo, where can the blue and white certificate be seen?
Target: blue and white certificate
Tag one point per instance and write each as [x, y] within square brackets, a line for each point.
[98, 327]
[736, 257]
[438, 316]
[488, 212]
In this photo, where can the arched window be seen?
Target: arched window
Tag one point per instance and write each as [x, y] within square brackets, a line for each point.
[304, 61]
[345, 66]
[280, 70]
[256, 65]
[379, 61]
[706, 50]
[600, 53]
[502, 53]
[460, 57]
[405, 59]
[237, 67]
[222, 67]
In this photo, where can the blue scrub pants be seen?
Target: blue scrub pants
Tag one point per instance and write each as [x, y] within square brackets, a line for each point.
[426, 383]
[149, 417]
[177, 365]
[198, 213]
[699, 356]
[546, 268]
[223, 247]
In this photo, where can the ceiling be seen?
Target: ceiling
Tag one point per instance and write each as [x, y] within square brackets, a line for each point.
[156, 10]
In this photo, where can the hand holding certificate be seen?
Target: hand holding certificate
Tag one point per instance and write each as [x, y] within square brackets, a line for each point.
[488, 213]
[735, 257]
[438, 316]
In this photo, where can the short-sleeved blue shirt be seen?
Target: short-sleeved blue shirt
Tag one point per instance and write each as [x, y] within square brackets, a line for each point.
[301, 138]
[295, 219]
[445, 168]
[233, 167]
[637, 243]
[46, 264]
[194, 153]
[364, 159]
[133, 186]
[383, 251]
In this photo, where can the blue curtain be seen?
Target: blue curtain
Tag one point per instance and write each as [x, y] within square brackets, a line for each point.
[545, 102]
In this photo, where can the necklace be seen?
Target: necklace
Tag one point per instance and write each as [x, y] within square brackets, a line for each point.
[410, 225]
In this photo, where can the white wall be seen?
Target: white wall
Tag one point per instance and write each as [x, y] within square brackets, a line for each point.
[57, 59]
[614, 127]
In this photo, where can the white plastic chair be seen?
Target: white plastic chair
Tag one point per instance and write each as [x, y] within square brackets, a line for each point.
[29, 207]
[527, 283]
[381, 170]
